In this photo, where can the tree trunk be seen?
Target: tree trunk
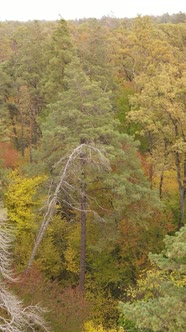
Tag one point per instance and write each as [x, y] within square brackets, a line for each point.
[181, 189]
[12, 110]
[183, 192]
[181, 175]
[31, 135]
[163, 169]
[161, 184]
[83, 225]
[150, 140]
[22, 134]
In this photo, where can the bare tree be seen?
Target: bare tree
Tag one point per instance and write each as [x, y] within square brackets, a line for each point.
[85, 154]
[14, 317]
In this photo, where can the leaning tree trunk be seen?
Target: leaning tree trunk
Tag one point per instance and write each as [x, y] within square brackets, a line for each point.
[51, 204]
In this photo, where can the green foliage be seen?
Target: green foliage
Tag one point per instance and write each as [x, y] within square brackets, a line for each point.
[58, 53]
[173, 259]
[160, 295]
[83, 113]
[78, 115]
[100, 82]
[91, 327]
[104, 306]
[129, 325]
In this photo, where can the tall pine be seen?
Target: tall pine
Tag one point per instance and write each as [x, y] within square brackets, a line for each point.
[83, 115]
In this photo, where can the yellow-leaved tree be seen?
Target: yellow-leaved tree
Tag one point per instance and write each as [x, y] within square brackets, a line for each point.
[91, 327]
[20, 200]
[24, 201]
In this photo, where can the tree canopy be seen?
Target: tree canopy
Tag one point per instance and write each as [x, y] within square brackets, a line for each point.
[93, 169]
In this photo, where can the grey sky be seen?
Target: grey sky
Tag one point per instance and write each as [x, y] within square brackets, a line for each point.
[23, 10]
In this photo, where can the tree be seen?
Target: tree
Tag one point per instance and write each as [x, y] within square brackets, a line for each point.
[158, 301]
[78, 116]
[14, 317]
[30, 66]
[23, 199]
[160, 110]
[63, 185]
[58, 53]
[8, 155]
[20, 91]
[82, 121]
[159, 104]
[92, 42]
[82, 106]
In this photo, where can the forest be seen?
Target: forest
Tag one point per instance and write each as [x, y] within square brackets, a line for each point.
[93, 175]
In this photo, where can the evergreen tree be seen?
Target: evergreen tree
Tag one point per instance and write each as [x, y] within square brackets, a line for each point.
[82, 121]
[160, 296]
[58, 53]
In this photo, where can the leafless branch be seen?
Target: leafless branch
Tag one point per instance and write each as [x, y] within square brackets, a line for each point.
[51, 205]
[14, 317]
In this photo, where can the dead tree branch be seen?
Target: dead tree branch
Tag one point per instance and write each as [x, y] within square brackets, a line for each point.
[14, 317]
[51, 205]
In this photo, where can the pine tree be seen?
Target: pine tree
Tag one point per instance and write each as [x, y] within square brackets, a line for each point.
[81, 126]
[158, 302]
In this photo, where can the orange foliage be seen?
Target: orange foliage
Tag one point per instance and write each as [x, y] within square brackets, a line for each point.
[8, 155]
[146, 164]
[67, 307]
[136, 240]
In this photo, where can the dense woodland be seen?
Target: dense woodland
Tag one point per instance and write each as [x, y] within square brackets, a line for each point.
[93, 171]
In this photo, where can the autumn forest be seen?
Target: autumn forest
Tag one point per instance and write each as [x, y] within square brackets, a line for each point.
[93, 175]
